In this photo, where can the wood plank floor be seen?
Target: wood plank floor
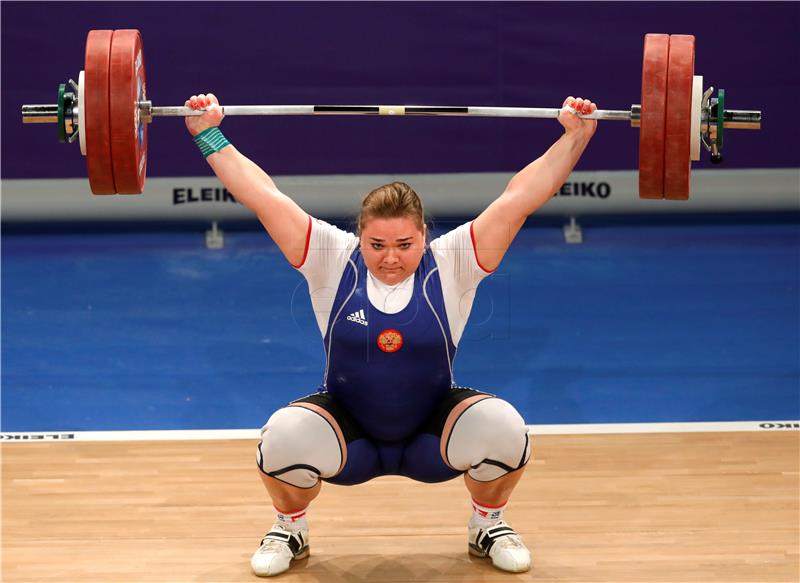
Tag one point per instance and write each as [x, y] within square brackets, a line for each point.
[601, 508]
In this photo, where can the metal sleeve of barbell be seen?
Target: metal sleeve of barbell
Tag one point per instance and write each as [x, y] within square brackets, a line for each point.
[391, 110]
[44, 113]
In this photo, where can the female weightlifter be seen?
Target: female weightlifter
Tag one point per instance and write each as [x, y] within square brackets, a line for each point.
[391, 309]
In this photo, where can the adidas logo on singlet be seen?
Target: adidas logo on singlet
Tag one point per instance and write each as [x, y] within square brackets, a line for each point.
[358, 317]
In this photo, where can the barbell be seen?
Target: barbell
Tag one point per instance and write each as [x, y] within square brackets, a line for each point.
[108, 112]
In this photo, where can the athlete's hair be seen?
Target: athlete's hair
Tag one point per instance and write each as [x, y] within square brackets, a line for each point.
[390, 201]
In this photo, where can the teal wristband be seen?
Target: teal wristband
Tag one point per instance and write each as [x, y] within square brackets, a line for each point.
[210, 141]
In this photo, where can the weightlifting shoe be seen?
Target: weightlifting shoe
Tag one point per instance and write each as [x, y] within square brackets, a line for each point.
[502, 545]
[278, 549]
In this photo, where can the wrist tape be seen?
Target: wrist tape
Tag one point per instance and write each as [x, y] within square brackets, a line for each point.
[210, 141]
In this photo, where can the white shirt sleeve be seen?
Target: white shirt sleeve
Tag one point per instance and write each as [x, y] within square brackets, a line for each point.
[329, 248]
[460, 274]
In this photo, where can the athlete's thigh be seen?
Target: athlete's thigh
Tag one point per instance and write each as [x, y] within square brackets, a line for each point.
[424, 458]
[360, 458]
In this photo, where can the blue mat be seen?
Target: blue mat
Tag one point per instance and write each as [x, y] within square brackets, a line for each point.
[153, 331]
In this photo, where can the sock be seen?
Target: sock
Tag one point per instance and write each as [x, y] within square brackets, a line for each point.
[486, 516]
[292, 521]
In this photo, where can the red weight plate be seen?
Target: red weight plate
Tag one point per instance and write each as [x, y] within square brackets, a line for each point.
[128, 130]
[95, 120]
[652, 122]
[678, 138]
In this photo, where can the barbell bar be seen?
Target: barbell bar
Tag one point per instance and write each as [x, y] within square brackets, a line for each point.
[733, 119]
[107, 111]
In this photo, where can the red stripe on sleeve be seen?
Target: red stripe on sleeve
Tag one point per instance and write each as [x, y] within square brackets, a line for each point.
[308, 240]
[475, 249]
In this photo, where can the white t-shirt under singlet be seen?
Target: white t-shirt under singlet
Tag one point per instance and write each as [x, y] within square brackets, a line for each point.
[329, 248]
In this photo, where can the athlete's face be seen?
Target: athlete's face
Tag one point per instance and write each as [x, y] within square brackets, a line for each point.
[392, 248]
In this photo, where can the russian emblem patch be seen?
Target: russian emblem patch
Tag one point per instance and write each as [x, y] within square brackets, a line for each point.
[390, 340]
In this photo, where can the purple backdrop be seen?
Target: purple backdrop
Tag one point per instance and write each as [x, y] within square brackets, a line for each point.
[448, 53]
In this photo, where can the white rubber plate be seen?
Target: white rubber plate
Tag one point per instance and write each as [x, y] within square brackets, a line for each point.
[697, 114]
[81, 109]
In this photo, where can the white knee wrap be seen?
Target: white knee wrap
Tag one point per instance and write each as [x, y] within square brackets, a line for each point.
[298, 446]
[488, 440]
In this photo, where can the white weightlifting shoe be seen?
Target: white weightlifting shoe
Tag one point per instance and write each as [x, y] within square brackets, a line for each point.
[279, 547]
[502, 545]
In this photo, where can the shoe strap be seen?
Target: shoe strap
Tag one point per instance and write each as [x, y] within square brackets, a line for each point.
[294, 540]
[487, 537]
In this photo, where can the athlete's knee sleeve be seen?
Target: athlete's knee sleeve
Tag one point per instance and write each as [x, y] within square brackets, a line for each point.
[488, 440]
[299, 446]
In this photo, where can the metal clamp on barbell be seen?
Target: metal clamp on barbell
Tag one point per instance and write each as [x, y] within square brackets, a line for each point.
[675, 121]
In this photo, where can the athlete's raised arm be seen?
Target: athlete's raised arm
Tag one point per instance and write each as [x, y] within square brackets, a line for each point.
[496, 227]
[283, 219]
